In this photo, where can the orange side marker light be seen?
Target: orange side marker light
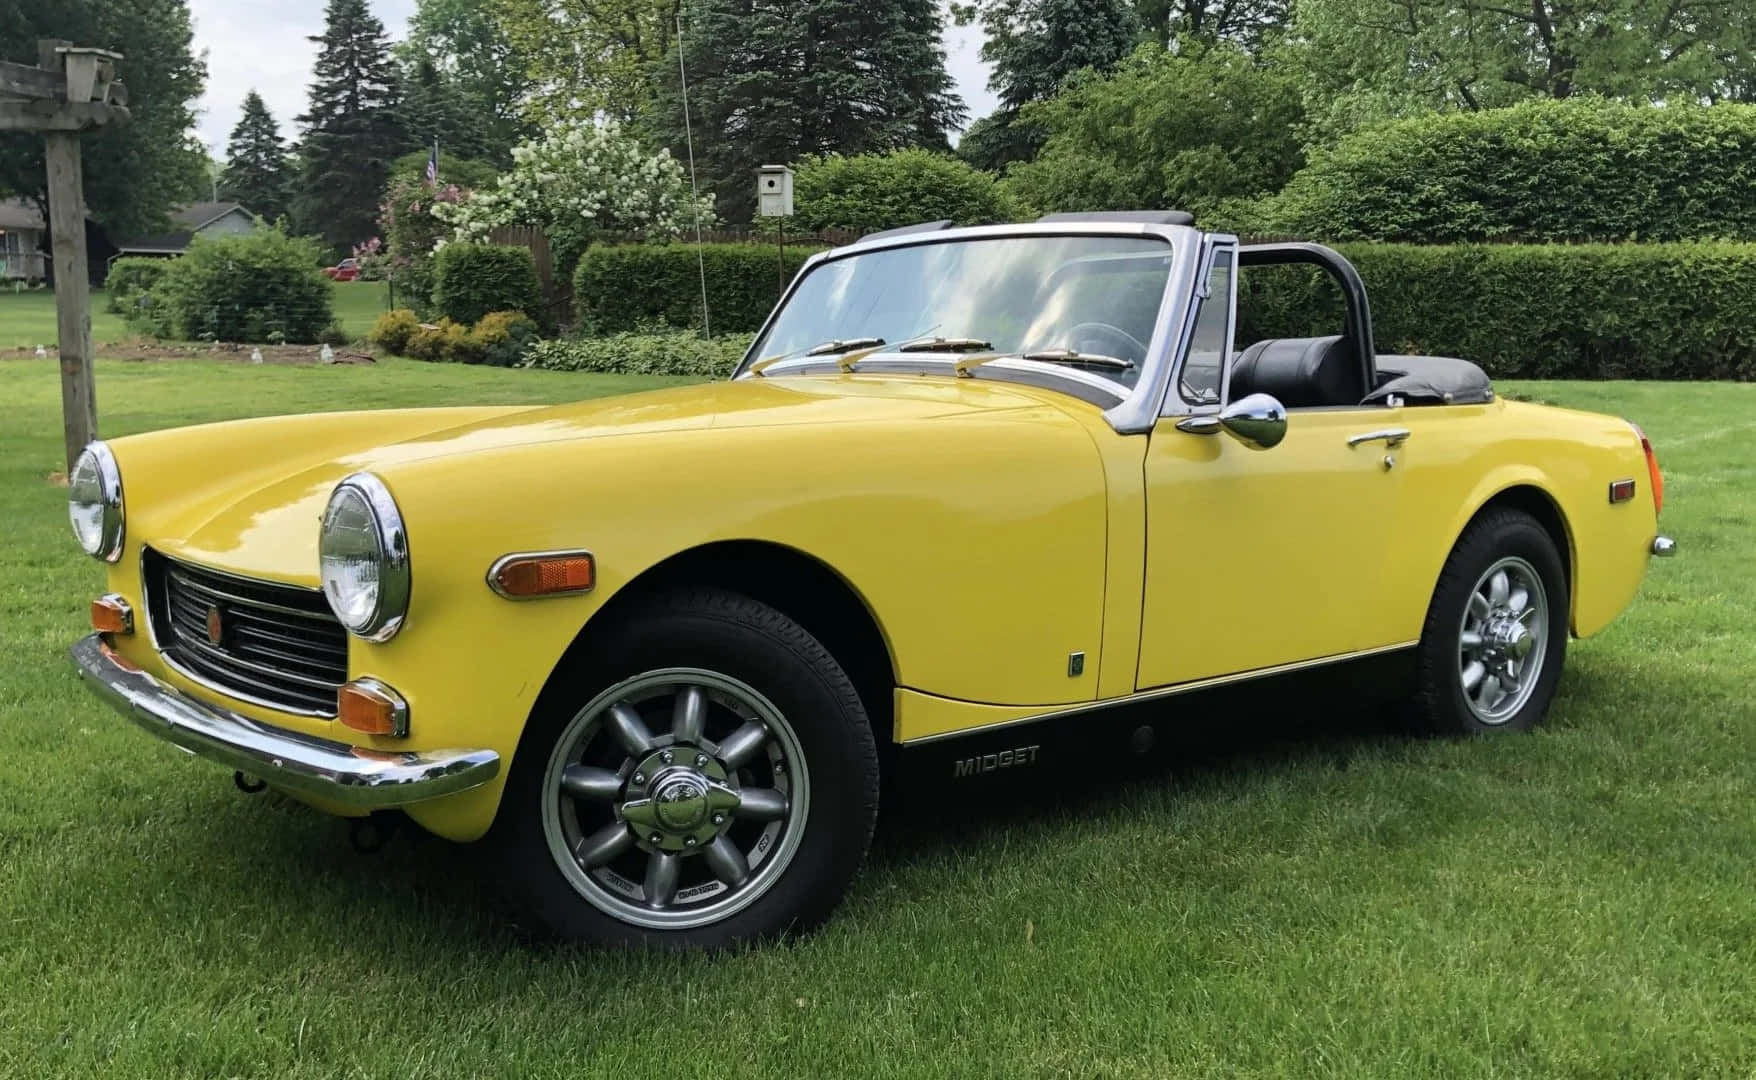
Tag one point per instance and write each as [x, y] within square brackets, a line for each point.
[551, 573]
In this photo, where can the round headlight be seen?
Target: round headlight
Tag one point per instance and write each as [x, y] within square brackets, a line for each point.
[363, 558]
[94, 502]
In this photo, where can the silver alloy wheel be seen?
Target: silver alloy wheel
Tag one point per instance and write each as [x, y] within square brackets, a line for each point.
[1503, 640]
[683, 828]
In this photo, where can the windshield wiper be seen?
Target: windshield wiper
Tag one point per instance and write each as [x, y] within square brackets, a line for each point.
[955, 344]
[841, 345]
[1076, 358]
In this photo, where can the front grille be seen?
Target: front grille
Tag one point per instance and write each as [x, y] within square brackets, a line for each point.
[278, 645]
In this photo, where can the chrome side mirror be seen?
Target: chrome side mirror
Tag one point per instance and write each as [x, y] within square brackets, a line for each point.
[1258, 421]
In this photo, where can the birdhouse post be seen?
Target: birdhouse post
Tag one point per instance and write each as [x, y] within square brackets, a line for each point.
[69, 91]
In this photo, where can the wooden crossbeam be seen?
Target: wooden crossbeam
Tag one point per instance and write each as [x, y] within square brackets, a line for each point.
[26, 81]
[57, 115]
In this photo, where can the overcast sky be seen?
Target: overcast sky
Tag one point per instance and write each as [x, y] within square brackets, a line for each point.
[261, 44]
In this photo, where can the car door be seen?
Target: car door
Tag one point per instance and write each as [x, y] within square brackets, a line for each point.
[1259, 558]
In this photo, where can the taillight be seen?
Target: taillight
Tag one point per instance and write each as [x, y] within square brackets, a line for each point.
[1657, 478]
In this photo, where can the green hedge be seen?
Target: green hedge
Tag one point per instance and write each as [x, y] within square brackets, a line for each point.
[640, 354]
[470, 280]
[639, 286]
[1590, 311]
[1575, 170]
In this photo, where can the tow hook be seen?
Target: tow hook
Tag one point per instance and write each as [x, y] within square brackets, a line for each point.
[249, 785]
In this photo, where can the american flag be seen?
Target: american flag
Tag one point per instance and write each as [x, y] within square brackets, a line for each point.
[433, 164]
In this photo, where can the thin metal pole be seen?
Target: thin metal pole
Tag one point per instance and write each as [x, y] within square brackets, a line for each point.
[694, 191]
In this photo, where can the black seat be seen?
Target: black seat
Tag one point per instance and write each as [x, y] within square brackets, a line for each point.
[1301, 373]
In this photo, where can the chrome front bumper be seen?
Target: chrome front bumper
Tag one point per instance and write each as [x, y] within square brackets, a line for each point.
[302, 764]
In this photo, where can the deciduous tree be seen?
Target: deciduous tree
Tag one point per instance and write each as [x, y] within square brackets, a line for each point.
[137, 171]
[477, 73]
[1368, 59]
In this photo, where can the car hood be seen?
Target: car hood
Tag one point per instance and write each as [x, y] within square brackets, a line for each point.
[259, 517]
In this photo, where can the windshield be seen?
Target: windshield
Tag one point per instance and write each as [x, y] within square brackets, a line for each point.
[1085, 301]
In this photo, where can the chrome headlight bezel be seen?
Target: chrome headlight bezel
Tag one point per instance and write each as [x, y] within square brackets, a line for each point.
[390, 604]
[112, 524]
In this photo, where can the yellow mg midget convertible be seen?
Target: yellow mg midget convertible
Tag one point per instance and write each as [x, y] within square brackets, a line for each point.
[967, 481]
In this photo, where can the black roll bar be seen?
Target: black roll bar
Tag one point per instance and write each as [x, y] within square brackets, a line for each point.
[1353, 290]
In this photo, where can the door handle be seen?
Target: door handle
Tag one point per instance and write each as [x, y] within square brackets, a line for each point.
[1393, 437]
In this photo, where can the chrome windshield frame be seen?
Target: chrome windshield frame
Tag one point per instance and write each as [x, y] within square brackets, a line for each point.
[1136, 409]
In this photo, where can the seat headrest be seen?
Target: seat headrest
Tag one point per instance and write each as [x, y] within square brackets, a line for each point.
[1299, 372]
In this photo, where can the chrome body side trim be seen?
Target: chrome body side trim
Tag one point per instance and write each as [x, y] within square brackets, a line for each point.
[331, 771]
[1164, 692]
[514, 556]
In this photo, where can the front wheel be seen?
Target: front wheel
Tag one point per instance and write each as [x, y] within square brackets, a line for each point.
[708, 776]
[1496, 632]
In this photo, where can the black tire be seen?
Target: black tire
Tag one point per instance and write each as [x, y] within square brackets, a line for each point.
[749, 644]
[1497, 538]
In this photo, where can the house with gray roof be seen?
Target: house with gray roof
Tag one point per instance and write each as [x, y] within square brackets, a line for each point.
[188, 222]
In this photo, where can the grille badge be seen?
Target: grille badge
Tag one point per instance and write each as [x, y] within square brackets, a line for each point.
[216, 625]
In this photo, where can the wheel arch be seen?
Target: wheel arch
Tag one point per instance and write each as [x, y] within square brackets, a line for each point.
[797, 584]
[1533, 499]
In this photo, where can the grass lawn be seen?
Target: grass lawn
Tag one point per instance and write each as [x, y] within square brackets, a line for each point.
[358, 305]
[1315, 901]
[28, 318]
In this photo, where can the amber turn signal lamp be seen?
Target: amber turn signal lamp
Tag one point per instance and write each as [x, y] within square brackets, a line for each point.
[547, 573]
[110, 614]
[369, 706]
[1658, 480]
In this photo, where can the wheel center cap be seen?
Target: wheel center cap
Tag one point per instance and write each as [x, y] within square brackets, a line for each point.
[1512, 638]
[680, 803]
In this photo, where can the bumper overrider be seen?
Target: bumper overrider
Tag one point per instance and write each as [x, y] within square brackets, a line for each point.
[330, 771]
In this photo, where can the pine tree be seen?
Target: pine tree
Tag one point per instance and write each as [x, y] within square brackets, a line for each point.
[351, 129]
[771, 81]
[257, 171]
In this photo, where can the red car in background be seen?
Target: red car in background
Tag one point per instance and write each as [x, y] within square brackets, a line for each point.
[346, 270]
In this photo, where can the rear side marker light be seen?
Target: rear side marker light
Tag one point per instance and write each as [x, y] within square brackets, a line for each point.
[1621, 491]
[110, 614]
[369, 706]
[543, 573]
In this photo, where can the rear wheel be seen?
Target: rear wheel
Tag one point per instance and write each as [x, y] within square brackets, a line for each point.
[1496, 632]
[709, 777]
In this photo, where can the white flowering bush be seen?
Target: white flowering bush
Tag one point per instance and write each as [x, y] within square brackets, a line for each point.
[582, 178]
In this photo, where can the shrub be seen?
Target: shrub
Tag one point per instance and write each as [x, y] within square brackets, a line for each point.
[641, 354]
[501, 338]
[393, 329]
[1164, 131]
[260, 286]
[884, 191]
[436, 341]
[470, 280]
[1597, 311]
[1540, 171]
[334, 334]
[411, 231]
[636, 286]
[129, 278]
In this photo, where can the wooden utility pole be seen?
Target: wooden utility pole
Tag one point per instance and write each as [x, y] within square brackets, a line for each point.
[69, 91]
